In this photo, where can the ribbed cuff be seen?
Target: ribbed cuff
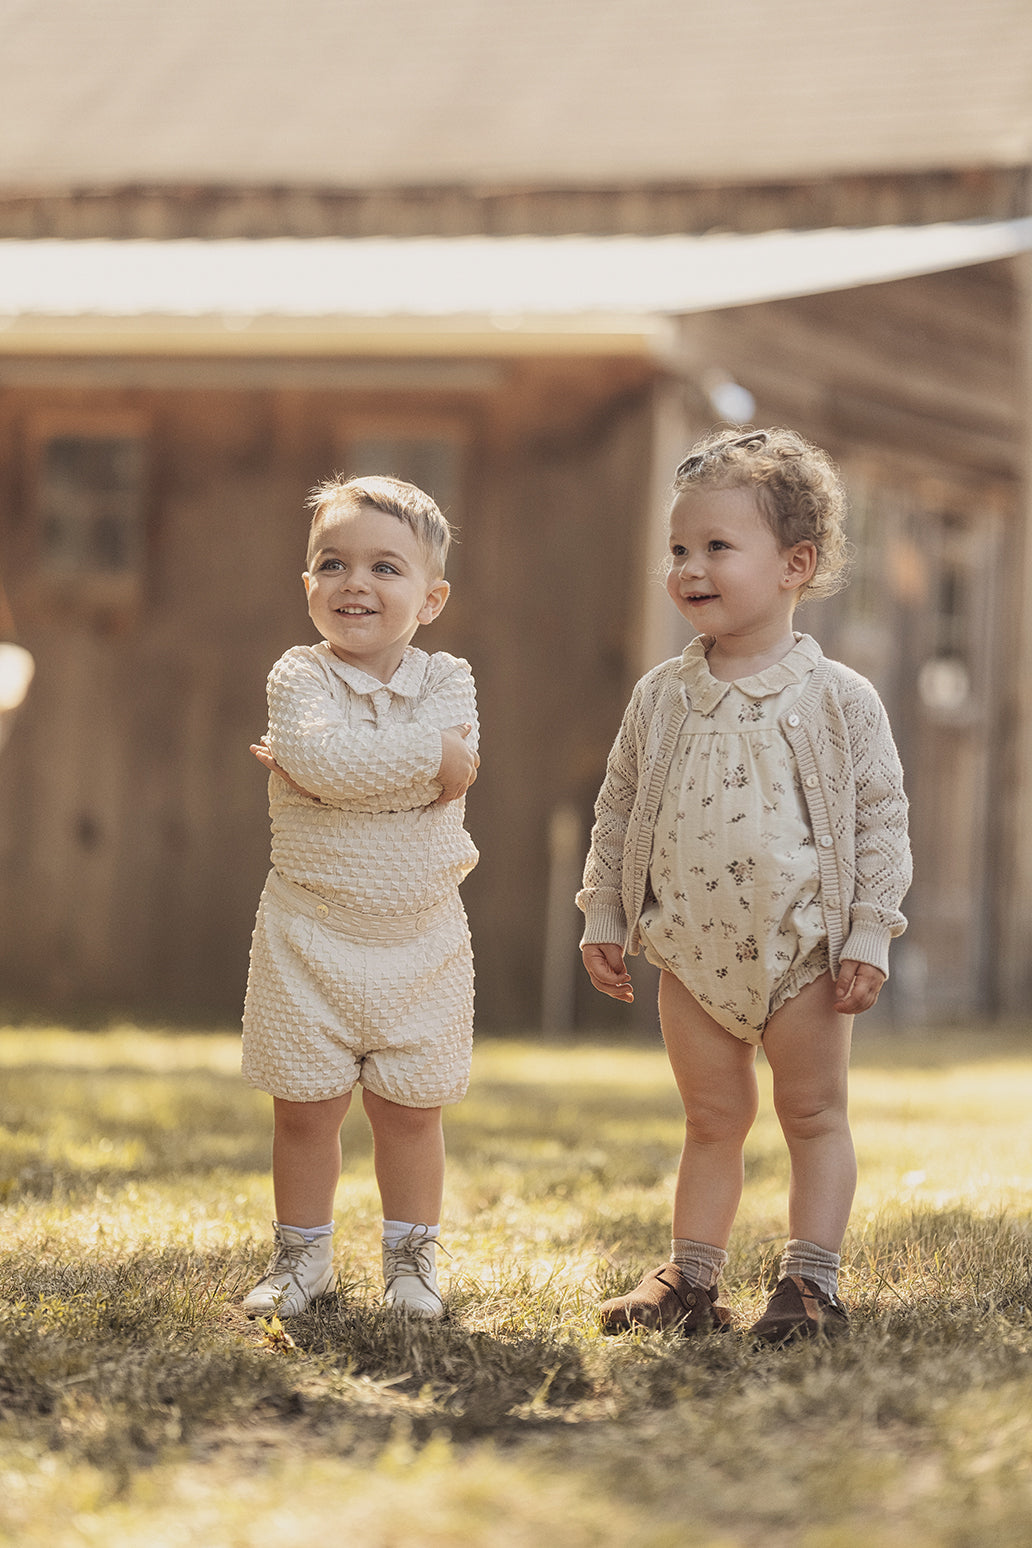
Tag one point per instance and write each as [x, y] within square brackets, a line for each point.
[867, 943]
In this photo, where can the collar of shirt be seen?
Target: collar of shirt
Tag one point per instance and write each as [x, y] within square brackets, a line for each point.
[405, 684]
[706, 691]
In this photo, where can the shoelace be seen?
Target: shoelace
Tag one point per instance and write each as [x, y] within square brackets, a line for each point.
[412, 1256]
[288, 1258]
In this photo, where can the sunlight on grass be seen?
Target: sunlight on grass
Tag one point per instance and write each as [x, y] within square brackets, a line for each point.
[138, 1406]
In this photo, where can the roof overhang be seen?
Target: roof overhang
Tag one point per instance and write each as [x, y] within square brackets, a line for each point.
[440, 296]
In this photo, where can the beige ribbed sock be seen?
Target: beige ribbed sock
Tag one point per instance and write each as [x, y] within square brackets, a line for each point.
[698, 1261]
[808, 1261]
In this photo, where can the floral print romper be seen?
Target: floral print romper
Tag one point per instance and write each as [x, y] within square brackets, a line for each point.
[734, 909]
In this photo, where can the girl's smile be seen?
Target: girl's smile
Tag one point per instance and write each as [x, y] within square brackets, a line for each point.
[730, 578]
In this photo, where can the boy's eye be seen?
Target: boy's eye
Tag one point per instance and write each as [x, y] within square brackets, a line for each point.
[331, 564]
[384, 568]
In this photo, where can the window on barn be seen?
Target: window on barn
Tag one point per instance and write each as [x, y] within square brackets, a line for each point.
[90, 500]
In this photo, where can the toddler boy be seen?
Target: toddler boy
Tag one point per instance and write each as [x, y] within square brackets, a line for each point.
[361, 971]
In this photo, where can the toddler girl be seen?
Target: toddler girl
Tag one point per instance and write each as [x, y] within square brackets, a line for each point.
[751, 835]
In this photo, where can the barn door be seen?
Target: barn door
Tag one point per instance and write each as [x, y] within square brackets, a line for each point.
[921, 619]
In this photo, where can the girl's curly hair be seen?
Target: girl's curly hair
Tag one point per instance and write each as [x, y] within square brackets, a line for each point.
[798, 487]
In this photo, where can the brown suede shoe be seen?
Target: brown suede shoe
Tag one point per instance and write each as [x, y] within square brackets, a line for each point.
[665, 1299]
[798, 1309]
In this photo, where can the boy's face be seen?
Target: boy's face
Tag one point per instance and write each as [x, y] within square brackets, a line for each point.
[369, 587]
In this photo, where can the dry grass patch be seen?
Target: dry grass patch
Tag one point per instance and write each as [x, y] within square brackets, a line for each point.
[138, 1406]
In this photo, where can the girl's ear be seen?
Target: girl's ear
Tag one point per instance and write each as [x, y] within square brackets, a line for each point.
[436, 597]
[800, 564]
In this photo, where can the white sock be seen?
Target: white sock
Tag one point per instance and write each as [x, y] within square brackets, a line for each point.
[395, 1231]
[698, 1261]
[808, 1261]
[310, 1233]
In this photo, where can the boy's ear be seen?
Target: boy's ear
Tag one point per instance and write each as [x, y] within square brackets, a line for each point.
[307, 580]
[436, 597]
[800, 564]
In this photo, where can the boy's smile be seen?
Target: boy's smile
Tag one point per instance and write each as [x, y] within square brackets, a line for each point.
[369, 587]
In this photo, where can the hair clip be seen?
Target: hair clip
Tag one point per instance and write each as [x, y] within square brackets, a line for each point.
[750, 442]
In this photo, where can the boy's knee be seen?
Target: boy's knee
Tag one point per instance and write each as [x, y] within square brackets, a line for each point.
[308, 1120]
[397, 1119]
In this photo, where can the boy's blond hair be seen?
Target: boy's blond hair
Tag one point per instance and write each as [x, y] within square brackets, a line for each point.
[395, 498]
[798, 488]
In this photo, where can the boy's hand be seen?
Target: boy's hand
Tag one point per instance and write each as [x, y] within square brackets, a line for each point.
[264, 756]
[608, 971]
[459, 764]
[857, 987]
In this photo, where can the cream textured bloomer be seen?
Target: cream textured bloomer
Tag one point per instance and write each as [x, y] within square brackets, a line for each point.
[361, 968]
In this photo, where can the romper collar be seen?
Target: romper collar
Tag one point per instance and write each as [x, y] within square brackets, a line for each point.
[707, 691]
[405, 684]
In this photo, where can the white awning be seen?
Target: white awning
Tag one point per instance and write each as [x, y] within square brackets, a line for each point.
[313, 294]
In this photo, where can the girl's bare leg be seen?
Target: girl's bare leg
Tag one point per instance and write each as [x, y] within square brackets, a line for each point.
[306, 1159]
[716, 1077]
[408, 1156]
[807, 1046]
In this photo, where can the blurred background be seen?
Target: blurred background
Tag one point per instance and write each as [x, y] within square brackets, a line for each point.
[522, 255]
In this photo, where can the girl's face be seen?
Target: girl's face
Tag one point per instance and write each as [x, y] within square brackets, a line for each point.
[728, 576]
[369, 588]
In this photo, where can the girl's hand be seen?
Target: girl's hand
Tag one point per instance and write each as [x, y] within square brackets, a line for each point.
[264, 756]
[857, 987]
[607, 970]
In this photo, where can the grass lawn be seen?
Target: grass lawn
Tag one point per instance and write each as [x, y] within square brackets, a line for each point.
[138, 1406]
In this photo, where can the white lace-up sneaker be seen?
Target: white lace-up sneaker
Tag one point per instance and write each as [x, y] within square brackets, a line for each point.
[410, 1276]
[299, 1272]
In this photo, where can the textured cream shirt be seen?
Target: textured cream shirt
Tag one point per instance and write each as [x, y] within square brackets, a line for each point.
[370, 752]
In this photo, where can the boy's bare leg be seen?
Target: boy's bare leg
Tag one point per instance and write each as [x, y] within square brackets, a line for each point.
[716, 1076]
[408, 1156]
[306, 1159]
[807, 1045]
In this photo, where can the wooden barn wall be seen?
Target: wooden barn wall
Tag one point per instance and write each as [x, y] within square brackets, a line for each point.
[915, 387]
[133, 822]
[861, 199]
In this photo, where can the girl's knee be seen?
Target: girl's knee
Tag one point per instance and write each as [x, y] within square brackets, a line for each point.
[709, 1123]
[811, 1116]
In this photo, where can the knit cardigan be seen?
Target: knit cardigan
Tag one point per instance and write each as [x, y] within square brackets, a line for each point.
[852, 783]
